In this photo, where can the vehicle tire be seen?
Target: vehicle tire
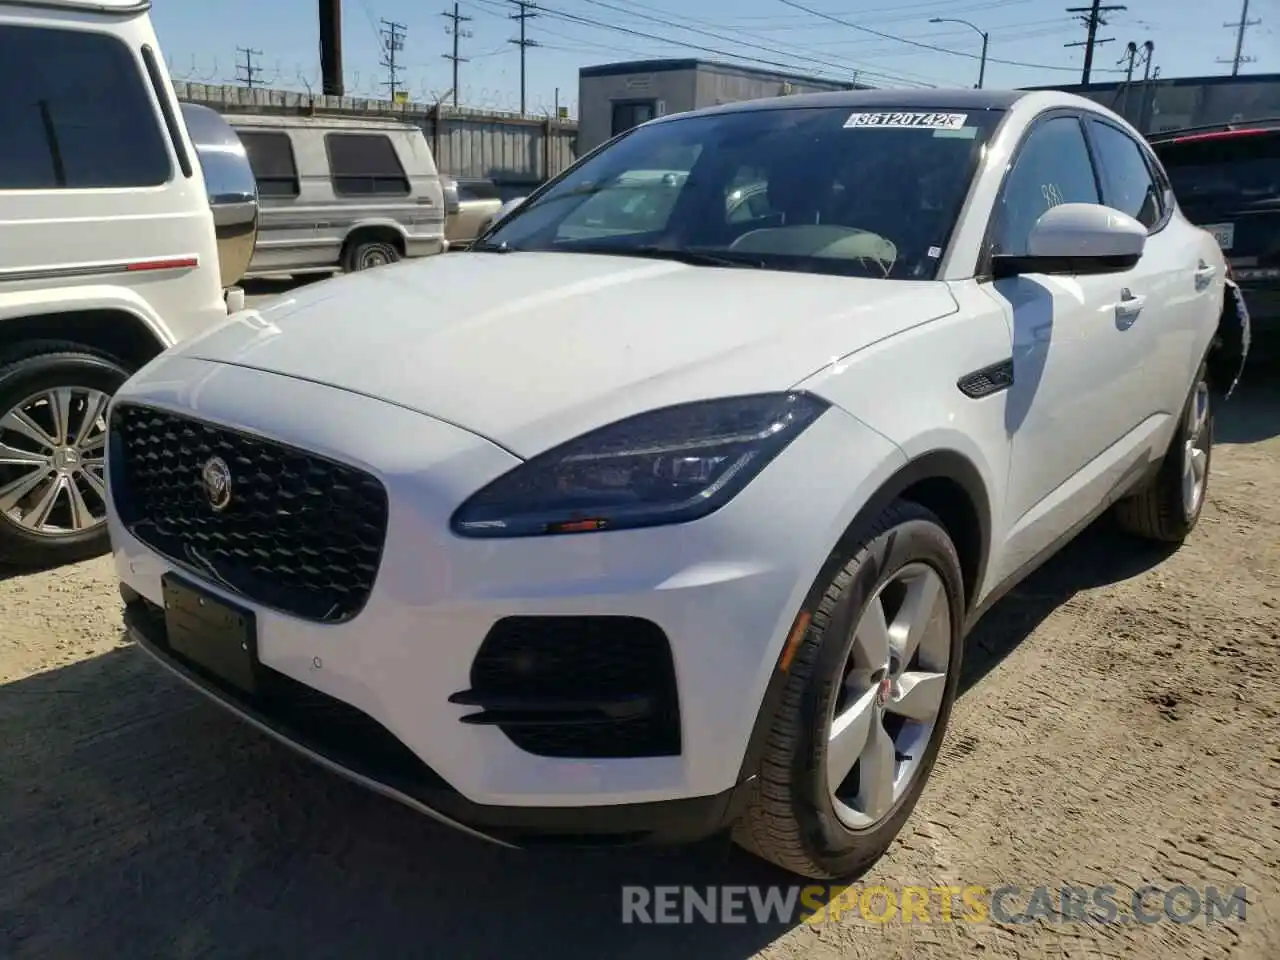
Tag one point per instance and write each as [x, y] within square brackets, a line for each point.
[52, 481]
[365, 254]
[1168, 508]
[803, 814]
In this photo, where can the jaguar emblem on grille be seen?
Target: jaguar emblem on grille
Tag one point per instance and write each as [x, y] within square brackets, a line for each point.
[216, 477]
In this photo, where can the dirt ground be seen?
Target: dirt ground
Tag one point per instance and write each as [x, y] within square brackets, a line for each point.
[1120, 724]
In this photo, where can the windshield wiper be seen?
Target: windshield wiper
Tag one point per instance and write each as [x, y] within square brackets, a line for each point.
[492, 248]
[690, 255]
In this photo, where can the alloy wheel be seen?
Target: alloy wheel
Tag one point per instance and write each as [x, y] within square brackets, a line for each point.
[53, 461]
[1195, 450]
[892, 688]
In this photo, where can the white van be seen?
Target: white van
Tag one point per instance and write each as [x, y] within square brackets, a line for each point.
[342, 193]
[109, 250]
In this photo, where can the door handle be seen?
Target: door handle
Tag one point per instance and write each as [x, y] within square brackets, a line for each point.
[1128, 308]
[1204, 274]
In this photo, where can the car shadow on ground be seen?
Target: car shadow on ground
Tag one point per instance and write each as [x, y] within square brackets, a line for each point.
[1253, 412]
[139, 818]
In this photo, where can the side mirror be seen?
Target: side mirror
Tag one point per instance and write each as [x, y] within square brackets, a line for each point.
[1078, 238]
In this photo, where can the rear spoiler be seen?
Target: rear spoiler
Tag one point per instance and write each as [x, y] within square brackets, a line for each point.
[1261, 124]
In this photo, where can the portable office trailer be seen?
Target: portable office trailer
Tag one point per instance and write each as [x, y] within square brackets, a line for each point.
[615, 97]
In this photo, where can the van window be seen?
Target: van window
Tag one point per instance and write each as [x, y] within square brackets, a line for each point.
[477, 190]
[75, 113]
[362, 164]
[271, 157]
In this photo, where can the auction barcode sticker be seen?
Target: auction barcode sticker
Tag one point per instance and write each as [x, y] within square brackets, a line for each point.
[900, 121]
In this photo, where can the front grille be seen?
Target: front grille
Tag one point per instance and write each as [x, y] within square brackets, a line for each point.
[300, 534]
[592, 687]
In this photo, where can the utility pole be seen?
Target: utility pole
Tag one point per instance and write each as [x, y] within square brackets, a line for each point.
[393, 42]
[1128, 61]
[1240, 28]
[1092, 18]
[331, 47]
[524, 43]
[455, 28]
[1148, 48]
[247, 72]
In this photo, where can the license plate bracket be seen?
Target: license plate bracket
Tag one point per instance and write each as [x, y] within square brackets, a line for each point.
[1224, 233]
[217, 637]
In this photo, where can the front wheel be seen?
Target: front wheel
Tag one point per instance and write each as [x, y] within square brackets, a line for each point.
[53, 432]
[869, 693]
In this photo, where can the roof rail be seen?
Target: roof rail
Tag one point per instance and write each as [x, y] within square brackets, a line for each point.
[1225, 127]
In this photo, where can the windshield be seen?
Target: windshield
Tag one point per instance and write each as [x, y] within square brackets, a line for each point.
[1226, 172]
[815, 189]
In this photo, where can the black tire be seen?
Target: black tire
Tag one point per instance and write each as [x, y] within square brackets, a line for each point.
[1158, 511]
[23, 373]
[789, 819]
[366, 254]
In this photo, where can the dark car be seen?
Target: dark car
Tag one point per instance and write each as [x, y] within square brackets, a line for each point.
[1227, 179]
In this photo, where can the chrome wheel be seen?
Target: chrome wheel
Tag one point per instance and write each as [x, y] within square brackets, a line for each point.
[1195, 450]
[52, 461]
[891, 693]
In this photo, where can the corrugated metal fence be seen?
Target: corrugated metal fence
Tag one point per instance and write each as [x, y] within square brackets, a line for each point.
[506, 148]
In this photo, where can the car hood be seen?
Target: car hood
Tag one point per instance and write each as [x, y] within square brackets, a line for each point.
[531, 349]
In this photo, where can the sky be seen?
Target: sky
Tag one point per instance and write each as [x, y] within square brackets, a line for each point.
[898, 45]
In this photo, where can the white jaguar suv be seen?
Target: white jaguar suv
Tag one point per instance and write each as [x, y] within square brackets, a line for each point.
[665, 510]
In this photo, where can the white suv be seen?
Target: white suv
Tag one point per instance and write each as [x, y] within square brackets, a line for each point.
[108, 251]
[646, 518]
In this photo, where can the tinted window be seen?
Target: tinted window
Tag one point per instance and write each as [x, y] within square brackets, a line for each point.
[365, 163]
[1128, 185]
[1228, 172]
[1052, 167]
[811, 189]
[271, 157]
[477, 190]
[75, 113]
[632, 114]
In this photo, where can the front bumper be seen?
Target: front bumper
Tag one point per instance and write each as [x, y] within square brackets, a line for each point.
[353, 745]
[724, 590]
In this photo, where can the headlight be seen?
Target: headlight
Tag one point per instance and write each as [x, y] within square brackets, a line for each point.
[666, 466]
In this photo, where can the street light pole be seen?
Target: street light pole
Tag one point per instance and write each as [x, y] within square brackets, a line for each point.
[986, 38]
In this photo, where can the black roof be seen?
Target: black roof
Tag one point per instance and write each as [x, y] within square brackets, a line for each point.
[901, 99]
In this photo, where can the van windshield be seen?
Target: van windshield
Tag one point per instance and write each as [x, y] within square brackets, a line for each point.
[832, 190]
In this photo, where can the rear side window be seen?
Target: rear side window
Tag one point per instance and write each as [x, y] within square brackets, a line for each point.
[364, 164]
[75, 113]
[1128, 184]
[271, 157]
[1230, 171]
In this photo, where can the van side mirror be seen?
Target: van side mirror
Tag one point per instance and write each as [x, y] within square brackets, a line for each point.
[1077, 238]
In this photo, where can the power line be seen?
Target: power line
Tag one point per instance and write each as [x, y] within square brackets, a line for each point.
[1092, 19]
[843, 67]
[527, 12]
[1240, 28]
[393, 43]
[717, 51]
[455, 28]
[916, 43]
[247, 72]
